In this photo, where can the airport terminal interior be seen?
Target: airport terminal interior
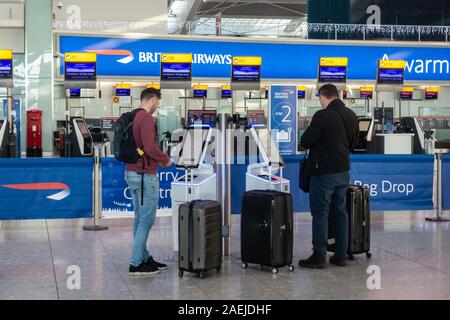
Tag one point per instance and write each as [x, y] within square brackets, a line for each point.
[239, 84]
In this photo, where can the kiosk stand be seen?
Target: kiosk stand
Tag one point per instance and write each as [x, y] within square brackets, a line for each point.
[439, 212]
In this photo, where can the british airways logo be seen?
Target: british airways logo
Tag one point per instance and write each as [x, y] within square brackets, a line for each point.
[62, 194]
[129, 56]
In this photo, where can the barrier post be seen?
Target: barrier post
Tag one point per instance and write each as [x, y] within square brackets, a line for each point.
[439, 212]
[97, 193]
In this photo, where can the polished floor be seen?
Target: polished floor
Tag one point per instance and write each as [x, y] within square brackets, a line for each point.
[411, 256]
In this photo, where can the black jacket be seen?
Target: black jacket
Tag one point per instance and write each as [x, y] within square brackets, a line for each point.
[329, 141]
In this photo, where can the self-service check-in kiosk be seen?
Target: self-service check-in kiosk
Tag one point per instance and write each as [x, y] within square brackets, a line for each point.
[194, 156]
[81, 138]
[8, 134]
[262, 171]
[4, 141]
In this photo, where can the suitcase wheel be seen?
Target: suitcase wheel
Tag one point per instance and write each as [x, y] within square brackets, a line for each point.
[180, 273]
[244, 265]
[368, 255]
[201, 275]
[274, 270]
[291, 268]
[351, 257]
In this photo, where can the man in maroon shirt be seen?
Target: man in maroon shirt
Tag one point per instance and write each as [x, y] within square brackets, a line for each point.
[145, 137]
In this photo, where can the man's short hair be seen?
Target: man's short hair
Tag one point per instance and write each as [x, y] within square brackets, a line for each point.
[149, 93]
[329, 91]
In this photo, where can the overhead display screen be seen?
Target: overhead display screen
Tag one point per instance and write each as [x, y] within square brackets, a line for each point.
[431, 93]
[202, 118]
[6, 70]
[332, 74]
[246, 73]
[176, 71]
[390, 76]
[80, 71]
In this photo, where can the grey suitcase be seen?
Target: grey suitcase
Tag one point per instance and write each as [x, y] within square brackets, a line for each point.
[200, 237]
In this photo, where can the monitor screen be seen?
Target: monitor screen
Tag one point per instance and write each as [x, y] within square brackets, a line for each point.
[390, 76]
[176, 71]
[246, 73]
[226, 94]
[82, 71]
[202, 118]
[83, 128]
[200, 93]
[406, 95]
[301, 94]
[123, 92]
[6, 69]
[364, 125]
[75, 93]
[332, 74]
[256, 118]
[431, 95]
[366, 94]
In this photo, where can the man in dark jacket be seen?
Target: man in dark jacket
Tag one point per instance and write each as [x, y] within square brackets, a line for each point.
[330, 138]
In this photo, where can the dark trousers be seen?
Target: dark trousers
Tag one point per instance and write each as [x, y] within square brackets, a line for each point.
[327, 199]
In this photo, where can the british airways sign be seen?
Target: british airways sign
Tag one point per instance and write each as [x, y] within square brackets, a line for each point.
[130, 57]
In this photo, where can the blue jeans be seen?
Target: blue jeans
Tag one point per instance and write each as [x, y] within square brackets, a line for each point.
[145, 215]
[327, 197]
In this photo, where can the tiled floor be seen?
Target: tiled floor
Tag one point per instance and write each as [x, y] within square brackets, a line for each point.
[413, 256]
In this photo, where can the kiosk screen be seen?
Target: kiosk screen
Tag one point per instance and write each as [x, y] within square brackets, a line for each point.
[202, 118]
[364, 125]
[176, 71]
[83, 128]
[246, 73]
[5, 69]
[332, 74]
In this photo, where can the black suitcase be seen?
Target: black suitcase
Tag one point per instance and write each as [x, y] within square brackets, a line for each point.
[358, 208]
[200, 237]
[267, 229]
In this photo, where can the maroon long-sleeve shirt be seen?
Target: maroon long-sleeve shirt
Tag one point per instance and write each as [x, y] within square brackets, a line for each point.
[145, 137]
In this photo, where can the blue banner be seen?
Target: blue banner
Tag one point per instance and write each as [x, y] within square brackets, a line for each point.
[396, 182]
[283, 118]
[212, 59]
[445, 174]
[45, 188]
[116, 197]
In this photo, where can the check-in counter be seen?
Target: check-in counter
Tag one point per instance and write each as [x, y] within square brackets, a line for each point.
[396, 143]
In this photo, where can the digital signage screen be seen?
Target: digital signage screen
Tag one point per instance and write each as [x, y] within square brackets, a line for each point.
[406, 95]
[80, 71]
[301, 94]
[366, 94]
[246, 73]
[332, 74]
[226, 94]
[200, 93]
[75, 93]
[6, 69]
[123, 92]
[390, 76]
[431, 95]
[176, 71]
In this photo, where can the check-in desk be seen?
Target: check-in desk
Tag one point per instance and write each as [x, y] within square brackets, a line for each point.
[396, 143]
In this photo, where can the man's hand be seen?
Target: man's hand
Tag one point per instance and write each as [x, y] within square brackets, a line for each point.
[168, 164]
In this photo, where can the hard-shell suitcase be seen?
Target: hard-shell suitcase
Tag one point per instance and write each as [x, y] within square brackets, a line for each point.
[200, 237]
[267, 229]
[358, 208]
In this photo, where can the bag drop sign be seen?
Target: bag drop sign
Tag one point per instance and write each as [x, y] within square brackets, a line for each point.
[387, 186]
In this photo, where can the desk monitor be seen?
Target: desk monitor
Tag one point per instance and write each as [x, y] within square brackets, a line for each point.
[201, 118]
